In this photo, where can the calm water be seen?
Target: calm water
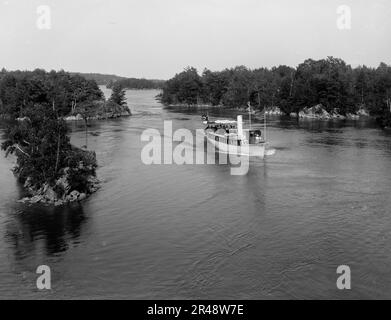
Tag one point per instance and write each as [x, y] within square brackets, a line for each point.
[195, 231]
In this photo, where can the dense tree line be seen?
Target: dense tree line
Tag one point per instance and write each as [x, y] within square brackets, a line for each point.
[39, 139]
[20, 90]
[43, 150]
[330, 82]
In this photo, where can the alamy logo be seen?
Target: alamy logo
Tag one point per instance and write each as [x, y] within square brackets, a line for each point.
[44, 20]
[44, 281]
[344, 280]
[344, 20]
[160, 149]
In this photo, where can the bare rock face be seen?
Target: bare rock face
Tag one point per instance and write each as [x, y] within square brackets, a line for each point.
[275, 111]
[63, 182]
[73, 196]
[362, 112]
[49, 194]
[316, 112]
[58, 203]
[60, 192]
[352, 116]
[335, 114]
[82, 196]
[103, 110]
[76, 117]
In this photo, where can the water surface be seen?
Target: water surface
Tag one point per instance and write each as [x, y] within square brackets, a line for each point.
[195, 231]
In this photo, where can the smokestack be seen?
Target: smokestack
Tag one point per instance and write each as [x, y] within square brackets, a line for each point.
[240, 126]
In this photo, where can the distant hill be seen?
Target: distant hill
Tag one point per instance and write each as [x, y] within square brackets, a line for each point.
[100, 79]
[130, 83]
[133, 83]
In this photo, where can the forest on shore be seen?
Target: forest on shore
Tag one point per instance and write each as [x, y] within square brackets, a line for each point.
[328, 82]
[51, 168]
[68, 94]
[22, 90]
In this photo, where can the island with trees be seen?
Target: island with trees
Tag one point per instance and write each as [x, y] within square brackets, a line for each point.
[36, 104]
[322, 89]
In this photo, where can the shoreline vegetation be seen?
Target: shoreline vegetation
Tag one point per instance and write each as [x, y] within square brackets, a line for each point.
[327, 89]
[38, 103]
[53, 171]
[317, 112]
[102, 110]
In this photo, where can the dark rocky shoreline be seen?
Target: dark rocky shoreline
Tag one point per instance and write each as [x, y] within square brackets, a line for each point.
[317, 112]
[60, 192]
[103, 110]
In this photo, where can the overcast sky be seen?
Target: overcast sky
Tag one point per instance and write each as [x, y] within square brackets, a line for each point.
[158, 38]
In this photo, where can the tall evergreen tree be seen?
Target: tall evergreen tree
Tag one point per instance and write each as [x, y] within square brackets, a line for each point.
[118, 95]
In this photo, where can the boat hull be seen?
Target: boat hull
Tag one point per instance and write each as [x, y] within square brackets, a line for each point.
[252, 150]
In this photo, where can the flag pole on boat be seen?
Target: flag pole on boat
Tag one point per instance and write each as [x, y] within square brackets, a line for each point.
[264, 122]
[264, 114]
[249, 112]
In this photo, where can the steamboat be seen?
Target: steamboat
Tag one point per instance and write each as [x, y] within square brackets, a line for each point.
[229, 136]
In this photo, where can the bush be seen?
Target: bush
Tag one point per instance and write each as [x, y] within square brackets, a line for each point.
[82, 165]
[44, 151]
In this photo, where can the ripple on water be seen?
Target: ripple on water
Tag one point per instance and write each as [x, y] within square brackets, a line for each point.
[195, 231]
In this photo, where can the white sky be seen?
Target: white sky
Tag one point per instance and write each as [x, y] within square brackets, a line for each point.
[158, 38]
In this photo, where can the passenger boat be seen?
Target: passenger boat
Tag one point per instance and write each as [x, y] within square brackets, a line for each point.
[230, 137]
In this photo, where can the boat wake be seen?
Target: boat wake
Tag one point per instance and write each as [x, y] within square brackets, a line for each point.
[270, 152]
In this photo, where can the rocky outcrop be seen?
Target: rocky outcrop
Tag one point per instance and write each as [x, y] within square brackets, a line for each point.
[362, 112]
[319, 113]
[336, 115]
[22, 118]
[102, 110]
[274, 111]
[316, 112]
[60, 192]
[76, 117]
[352, 116]
[73, 183]
[197, 105]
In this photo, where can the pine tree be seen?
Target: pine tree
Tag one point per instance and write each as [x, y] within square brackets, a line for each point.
[118, 95]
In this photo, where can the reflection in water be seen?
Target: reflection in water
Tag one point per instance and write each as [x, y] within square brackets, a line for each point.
[50, 229]
[196, 231]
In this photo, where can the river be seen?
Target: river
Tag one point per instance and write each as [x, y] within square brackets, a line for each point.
[198, 232]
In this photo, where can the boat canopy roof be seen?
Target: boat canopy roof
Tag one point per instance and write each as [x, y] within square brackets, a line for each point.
[222, 122]
[225, 121]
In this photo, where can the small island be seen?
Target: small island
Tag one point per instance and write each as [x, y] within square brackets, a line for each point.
[326, 89]
[36, 105]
